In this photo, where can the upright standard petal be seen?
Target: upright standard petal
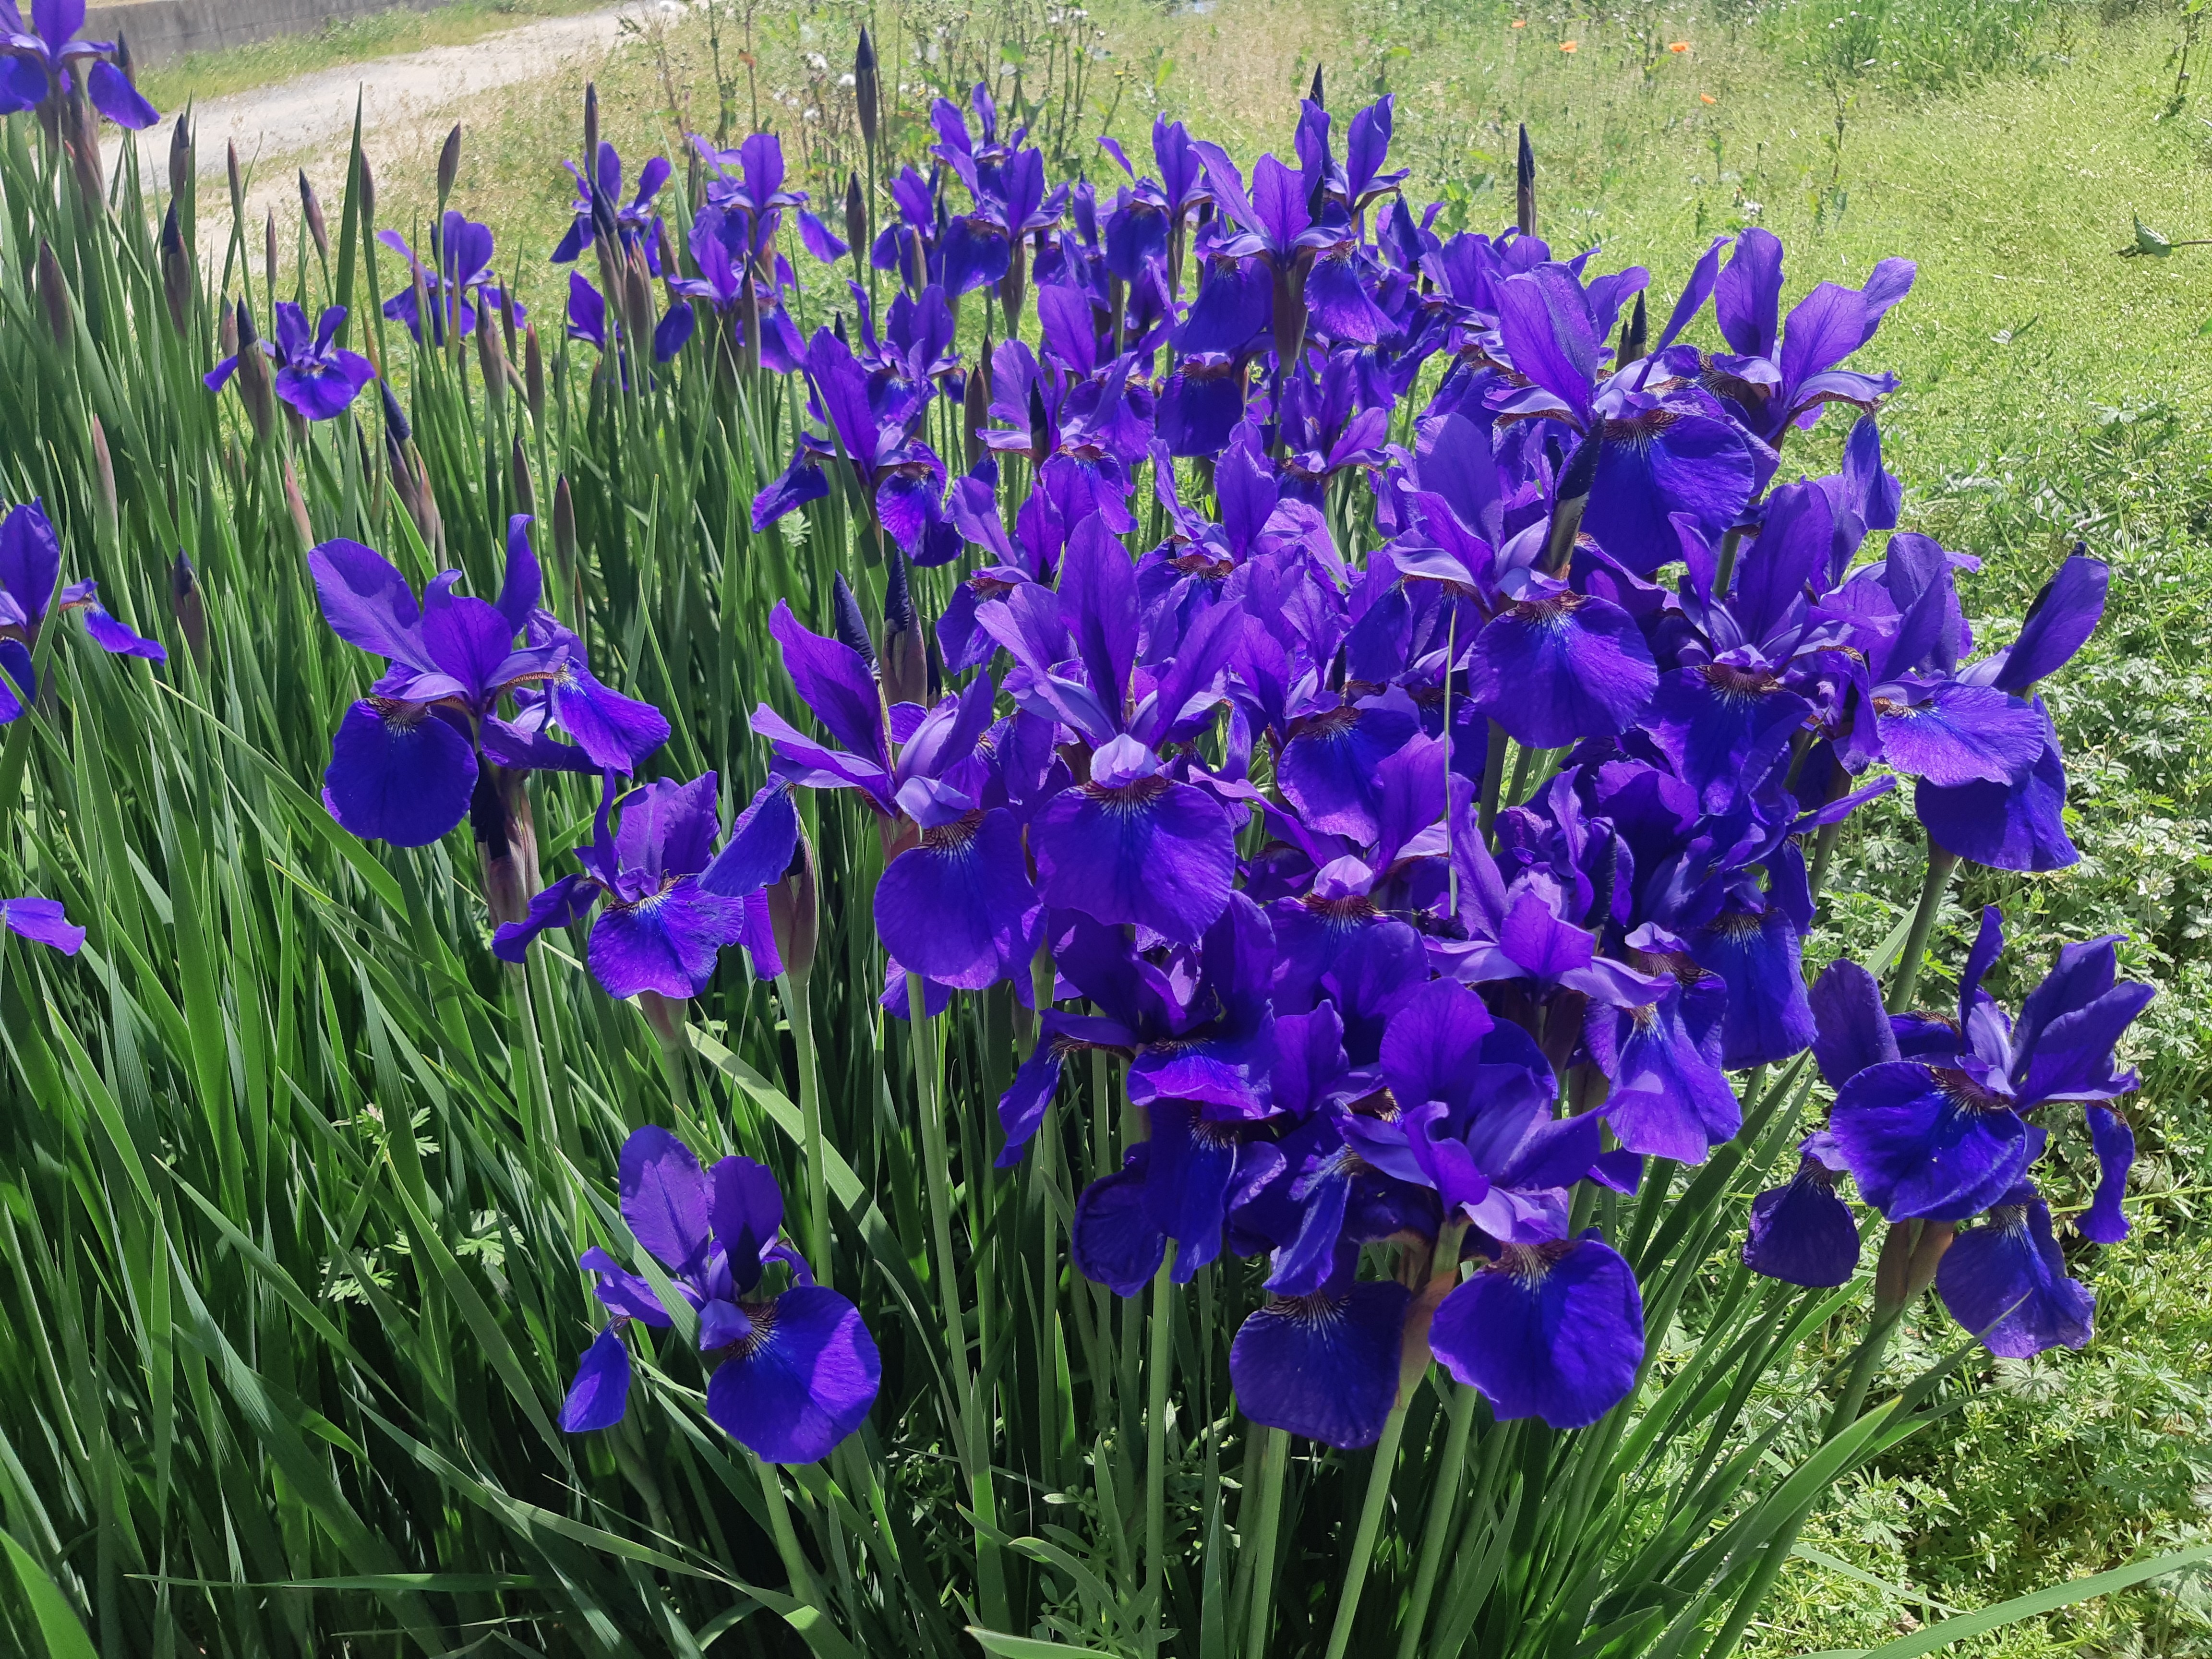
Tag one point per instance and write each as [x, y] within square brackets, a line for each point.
[666, 1199]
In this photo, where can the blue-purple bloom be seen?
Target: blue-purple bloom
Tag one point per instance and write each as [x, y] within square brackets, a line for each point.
[406, 761]
[793, 1373]
[671, 903]
[38, 63]
[30, 569]
[314, 374]
[41, 922]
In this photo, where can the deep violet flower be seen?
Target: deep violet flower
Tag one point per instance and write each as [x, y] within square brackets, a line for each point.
[314, 374]
[456, 283]
[41, 922]
[793, 1373]
[671, 903]
[1553, 1330]
[636, 225]
[42, 59]
[30, 568]
[1939, 1128]
[2005, 1282]
[405, 761]
[1803, 1232]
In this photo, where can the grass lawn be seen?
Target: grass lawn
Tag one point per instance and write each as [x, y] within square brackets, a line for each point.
[2052, 392]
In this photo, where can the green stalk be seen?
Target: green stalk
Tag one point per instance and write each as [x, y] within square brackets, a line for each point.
[798, 1014]
[803, 1585]
[971, 1426]
[1940, 865]
[1493, 780]
[1274, 1460]
[1460, 1425]
[1156, 1443]
[1371, 1524]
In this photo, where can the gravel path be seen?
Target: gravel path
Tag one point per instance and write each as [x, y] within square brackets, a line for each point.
[403, 97]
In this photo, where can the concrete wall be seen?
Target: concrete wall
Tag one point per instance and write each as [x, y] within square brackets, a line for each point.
[159, 30]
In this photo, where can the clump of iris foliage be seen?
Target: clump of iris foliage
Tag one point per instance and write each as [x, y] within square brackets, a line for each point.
[1081, 963]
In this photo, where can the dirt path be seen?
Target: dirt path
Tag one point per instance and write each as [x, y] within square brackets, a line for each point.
[403, 98]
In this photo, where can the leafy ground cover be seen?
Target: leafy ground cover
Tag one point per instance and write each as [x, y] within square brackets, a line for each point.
[2053, 392]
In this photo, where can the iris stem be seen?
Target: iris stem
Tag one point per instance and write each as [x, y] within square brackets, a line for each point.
[1156, 1443]
[1460, 1425]
[798, 1014]
[1940, 865]
[1493, 780]
[803, 1585]
[1371, 1524]
[1274, 1465]
[971, 1422]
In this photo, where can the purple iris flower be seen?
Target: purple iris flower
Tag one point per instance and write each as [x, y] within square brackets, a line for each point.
[42, 58]
[1325, 1364]
[587, 321]
[1010, 206]
[2018, 822]
[793, 1373]
[718, 249]
[1782, 374]
[406, 762]
[314, 373]
[1133, 843]
[899, 476]
[636, 225]
[41, 922]
[672, 904]
[30, 568]
[456, 283]
[1552, 1330]
[1937, 1125]
[955, 892]
[1666, 447]
[1198, 1033]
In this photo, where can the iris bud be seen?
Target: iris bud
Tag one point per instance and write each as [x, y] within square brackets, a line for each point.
[975, 408]
[1524, 185]
[181, 159]
[103, 464]
[533, 373]
[525, 496]
[865, 89]
[311, 207]
[54, 297]
[176, 270]
[906, 654]
[449, 165]
[189, 605]
[856, 219]
[794, 913]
